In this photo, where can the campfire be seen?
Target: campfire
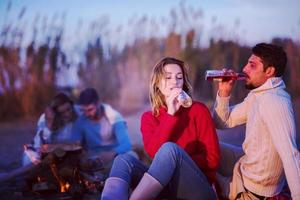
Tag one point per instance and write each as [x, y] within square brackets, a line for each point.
[63, 175]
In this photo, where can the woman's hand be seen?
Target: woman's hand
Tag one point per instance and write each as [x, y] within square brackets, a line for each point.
[172, 102]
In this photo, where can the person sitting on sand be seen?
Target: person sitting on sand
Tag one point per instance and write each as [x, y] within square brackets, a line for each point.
[55, 125]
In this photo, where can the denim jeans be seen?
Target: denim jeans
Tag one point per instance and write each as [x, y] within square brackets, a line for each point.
[230, 154]
[172, 167]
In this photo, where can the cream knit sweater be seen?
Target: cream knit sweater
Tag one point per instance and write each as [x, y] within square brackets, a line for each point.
[270, 148]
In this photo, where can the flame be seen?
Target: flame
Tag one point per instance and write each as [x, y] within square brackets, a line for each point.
[39, 179]
[64, 187]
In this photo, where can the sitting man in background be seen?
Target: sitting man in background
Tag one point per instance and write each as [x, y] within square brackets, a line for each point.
[103, 132]
[56, 125]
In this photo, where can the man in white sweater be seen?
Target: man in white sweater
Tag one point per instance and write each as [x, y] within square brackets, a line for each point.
[270, 150]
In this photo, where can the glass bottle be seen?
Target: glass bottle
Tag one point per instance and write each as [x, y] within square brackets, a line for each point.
[219, 75]
[184, 99]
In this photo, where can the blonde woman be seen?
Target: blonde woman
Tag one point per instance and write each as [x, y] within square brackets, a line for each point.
[182, 142]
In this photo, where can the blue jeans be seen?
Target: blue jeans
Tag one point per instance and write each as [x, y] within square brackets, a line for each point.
[230, 154]
[172, 167]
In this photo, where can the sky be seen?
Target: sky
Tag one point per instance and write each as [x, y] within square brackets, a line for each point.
[245, 21]
[253, 20]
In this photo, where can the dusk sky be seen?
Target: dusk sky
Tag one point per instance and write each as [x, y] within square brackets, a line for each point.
[244, 21]
[257, 20]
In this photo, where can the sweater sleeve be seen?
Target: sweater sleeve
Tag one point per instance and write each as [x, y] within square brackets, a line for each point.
[43, 133]
[154, 132]
[209, 152]
[225, 116]
[121, 132]
[279, 119]
[31, 152]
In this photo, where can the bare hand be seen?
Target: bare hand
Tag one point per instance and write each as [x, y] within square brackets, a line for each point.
[172, 102]
[33, 156]
[226, 85]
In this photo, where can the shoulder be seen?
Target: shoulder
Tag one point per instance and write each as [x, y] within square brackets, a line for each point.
[275, 102]
[273, 98]
[113, 115]
[81, 118]
[148, 119]
[147, 115]
[199, 107]
[199, 110]
[108, 109]
[77, 109]
[42, 120]
[82, 122]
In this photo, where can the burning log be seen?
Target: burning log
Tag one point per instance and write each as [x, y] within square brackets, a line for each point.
[63, 161]
[64, 169]
[59, 151]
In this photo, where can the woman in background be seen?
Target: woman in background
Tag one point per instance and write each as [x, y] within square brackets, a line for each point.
[55, 125]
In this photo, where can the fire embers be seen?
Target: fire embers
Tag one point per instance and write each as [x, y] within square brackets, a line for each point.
[61, 172]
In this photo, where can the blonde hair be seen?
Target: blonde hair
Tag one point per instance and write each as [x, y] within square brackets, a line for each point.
[156, 97]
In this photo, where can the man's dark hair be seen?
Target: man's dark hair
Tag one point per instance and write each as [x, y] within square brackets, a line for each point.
[88, 96]
[271, 55]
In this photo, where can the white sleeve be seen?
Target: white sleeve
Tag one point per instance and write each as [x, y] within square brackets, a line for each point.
[112, 115]
[225, 116]
[31, 152]
[43, 133]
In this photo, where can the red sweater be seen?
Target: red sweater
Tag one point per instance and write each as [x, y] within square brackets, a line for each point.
[191, 128]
